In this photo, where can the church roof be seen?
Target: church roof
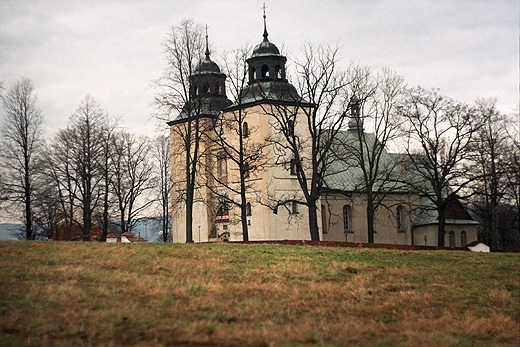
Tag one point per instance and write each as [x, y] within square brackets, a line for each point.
[262, 91]
[344, 172]
[207, 65]
[203, 107]
[455, 213]
[265, 48]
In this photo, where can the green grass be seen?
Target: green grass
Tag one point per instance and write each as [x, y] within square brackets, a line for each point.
[84, 294]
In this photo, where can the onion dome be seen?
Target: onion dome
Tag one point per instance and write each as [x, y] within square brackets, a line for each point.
[265, 47]
[207, 65]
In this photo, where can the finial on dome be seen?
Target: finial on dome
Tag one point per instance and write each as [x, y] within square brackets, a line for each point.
[207, 46]
[265, 25]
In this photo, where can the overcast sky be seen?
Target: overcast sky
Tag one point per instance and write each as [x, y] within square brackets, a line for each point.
[112, 50]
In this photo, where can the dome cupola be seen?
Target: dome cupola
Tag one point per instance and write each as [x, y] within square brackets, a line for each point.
[266, 63]
[207, 79]
[207, 91]
[265, 47]
[266, 75]
[207, 65]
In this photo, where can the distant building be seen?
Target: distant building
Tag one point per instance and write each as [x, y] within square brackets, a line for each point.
[408, 218]
[126, 237]
[75, 233]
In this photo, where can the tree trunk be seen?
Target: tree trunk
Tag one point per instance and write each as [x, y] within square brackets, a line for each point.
[245, 231]
[441, 230]
[189, 213]
[28, 217]
[370, 222]
[313, 222]
[87, 224]
[243, 215]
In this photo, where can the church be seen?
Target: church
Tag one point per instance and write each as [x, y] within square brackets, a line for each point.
[406, 218]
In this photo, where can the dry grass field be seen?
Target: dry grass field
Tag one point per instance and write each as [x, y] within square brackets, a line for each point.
[94, 294]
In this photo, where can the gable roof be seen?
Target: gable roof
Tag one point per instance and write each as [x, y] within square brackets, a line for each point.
[344, 172]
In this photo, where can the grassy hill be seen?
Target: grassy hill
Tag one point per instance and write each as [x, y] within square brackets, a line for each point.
[83, 294]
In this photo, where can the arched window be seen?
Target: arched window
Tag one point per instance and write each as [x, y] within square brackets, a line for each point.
[451, 239]
[249, 212]
[290, 127]
[347, 215]
[294, 208]
[265, 71]
[463, 239]
[245, 130]
[252, 74]
[246, 170]
[293, 167]
[223, 210]
[222, 166]
[399, 219]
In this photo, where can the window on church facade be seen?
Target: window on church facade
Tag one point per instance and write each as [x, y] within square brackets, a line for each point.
[222, 213]
[451, 239]
[463, 239]
[347, 215]
[399, 219]
[290, 128]
[292, 167]
[294, 208]
[245, 130]
[247, 170]
[249, 212]
[222, 167]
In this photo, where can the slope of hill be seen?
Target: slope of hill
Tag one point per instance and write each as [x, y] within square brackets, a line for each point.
[99, 294]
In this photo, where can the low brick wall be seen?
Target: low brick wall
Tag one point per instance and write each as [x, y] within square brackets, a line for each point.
[347, 244]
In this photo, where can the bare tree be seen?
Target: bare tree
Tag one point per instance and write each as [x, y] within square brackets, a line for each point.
[22, 139]
[161, 149]
[512, 186]
[305, 128]
[131, 176]
[184, 48]
[104, 165]
[58, 168]
[441, 133]
[490, 161]
[78, 152]
[378, 98]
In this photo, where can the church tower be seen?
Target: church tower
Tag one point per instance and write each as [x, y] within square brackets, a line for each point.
[269, 106]
[207, 91]
[189, 134]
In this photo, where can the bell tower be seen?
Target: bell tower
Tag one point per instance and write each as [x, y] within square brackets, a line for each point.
[267, 75]
[266, 63]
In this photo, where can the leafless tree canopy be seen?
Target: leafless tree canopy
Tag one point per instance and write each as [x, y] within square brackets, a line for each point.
[440, 137]
[22, 141]
[163, 186]
[324, 101]
[132, 176]
[375, 123]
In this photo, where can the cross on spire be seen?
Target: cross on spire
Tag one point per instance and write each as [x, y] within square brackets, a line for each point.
[265, 26]
[207, 45]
